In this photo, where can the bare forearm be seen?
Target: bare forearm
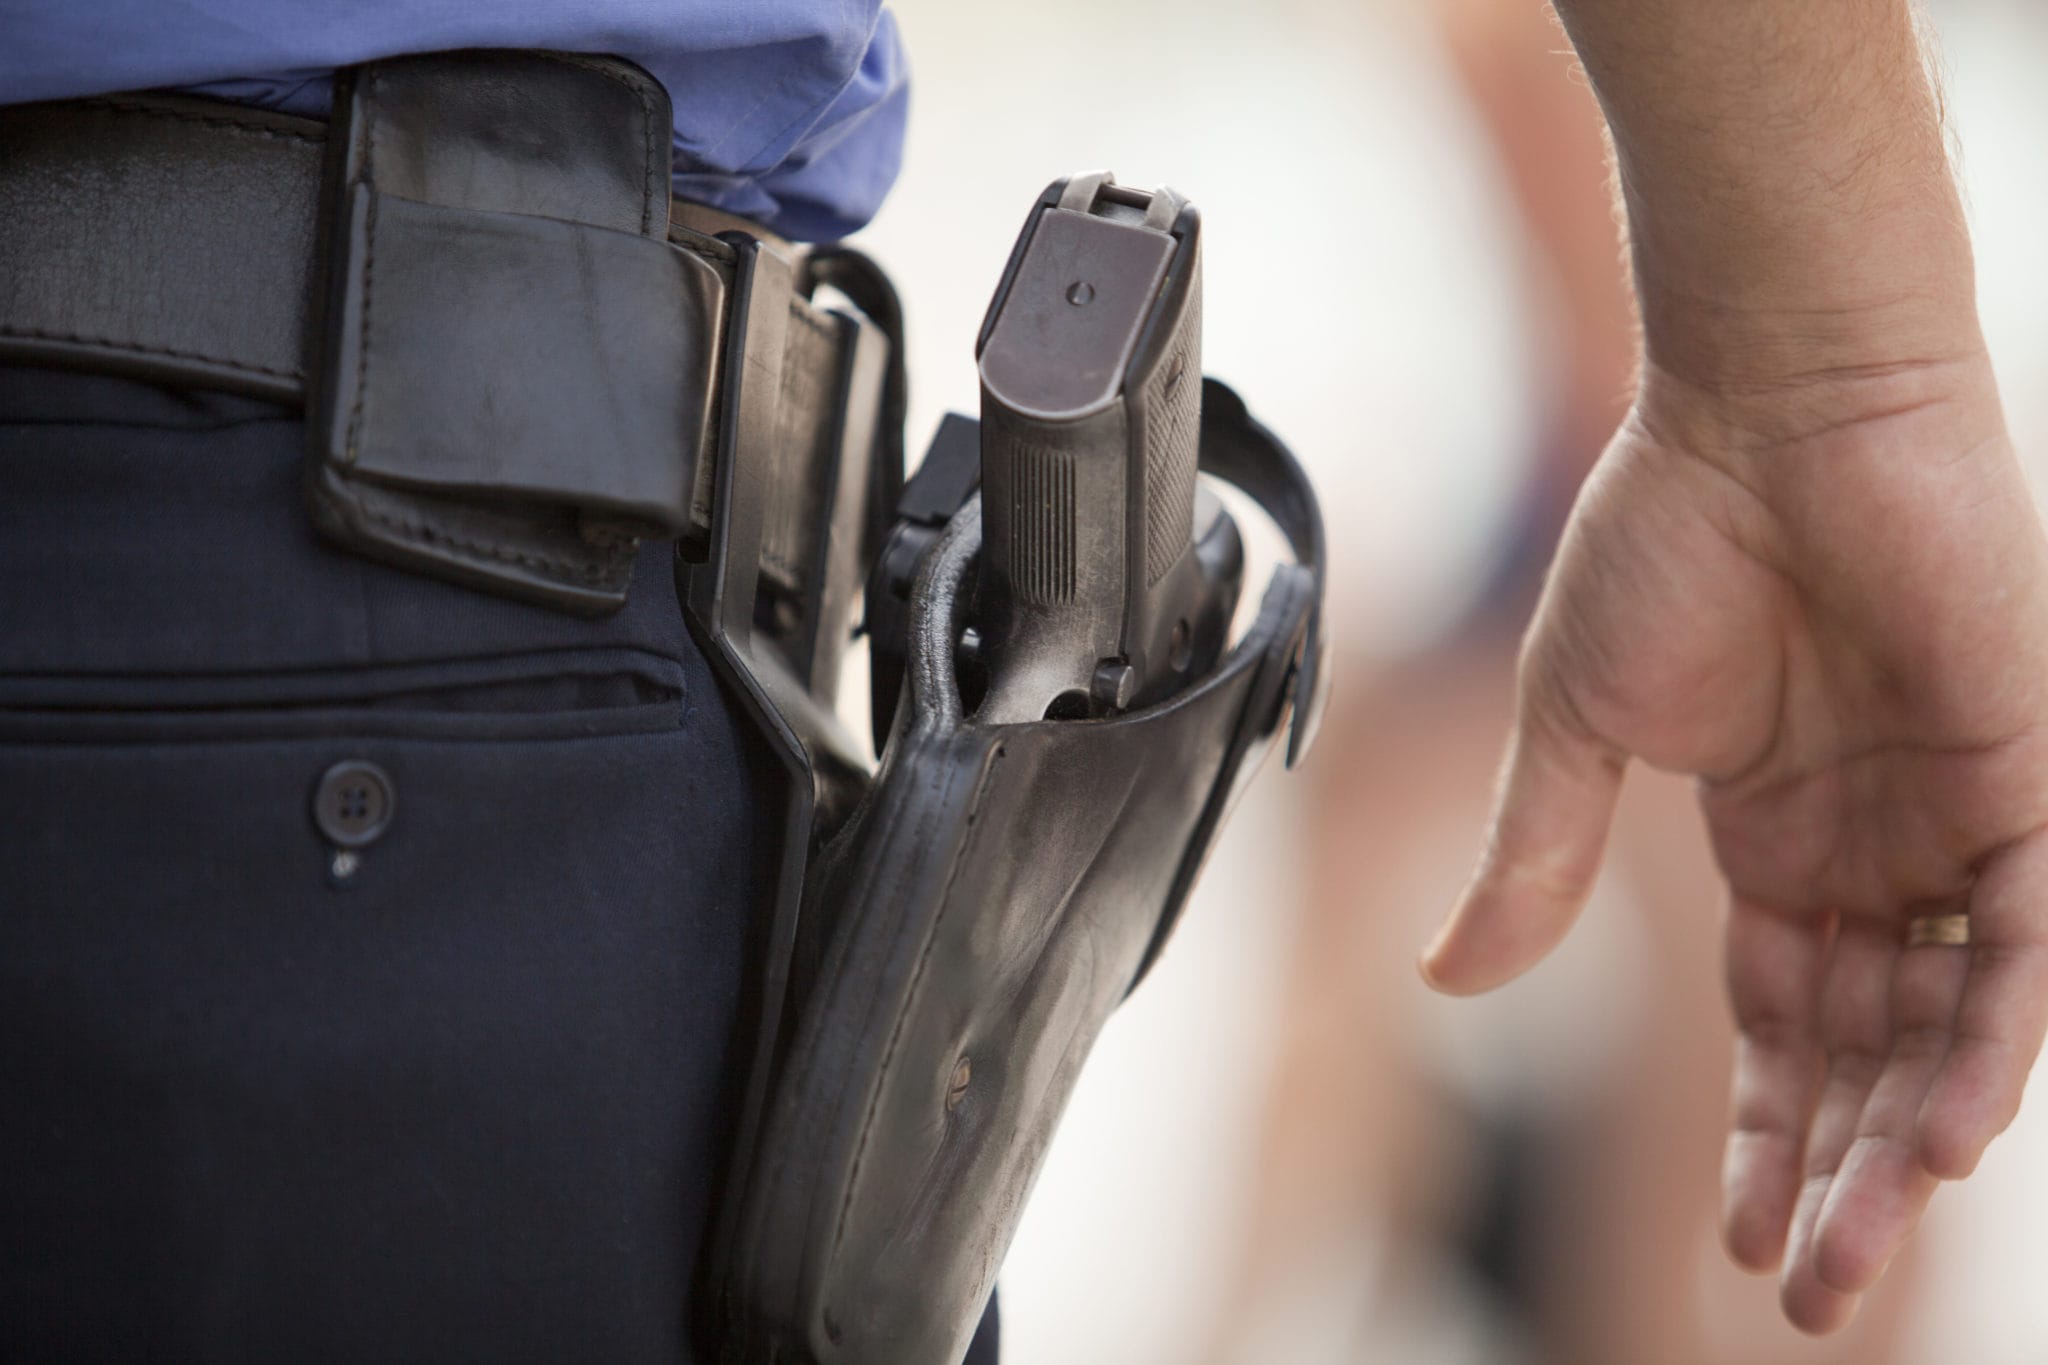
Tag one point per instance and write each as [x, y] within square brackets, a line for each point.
[1790, 205]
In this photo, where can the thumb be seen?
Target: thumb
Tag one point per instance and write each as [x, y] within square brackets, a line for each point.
[1556, 799]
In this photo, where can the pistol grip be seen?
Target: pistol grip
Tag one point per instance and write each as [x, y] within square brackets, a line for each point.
[1091, 408]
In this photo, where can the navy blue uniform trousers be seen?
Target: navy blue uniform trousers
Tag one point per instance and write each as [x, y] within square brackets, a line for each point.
[464, 1098]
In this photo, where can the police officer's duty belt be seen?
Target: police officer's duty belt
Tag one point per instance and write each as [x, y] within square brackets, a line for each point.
[516, 368]
[511, 360]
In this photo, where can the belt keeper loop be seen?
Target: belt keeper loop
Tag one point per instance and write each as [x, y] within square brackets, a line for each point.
[723, 590]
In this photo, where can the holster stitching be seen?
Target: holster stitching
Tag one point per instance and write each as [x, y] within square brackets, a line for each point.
[141, 348]
[655, 139]
[355, 421]
[591, 569]
[247, 127]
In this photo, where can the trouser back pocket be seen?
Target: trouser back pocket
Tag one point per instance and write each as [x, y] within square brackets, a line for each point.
[376, 1014]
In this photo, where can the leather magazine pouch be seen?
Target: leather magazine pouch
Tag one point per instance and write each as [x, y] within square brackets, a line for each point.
[514, 379]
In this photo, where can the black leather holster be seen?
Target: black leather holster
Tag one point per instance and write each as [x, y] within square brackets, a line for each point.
[964, 937]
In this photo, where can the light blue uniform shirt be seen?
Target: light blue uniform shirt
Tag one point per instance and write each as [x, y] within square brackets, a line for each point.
[787, 111]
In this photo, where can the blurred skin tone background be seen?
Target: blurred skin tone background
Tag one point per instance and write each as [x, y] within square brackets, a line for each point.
[1286, 1149]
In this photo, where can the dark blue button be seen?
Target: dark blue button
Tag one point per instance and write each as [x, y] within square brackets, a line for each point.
[353, 804]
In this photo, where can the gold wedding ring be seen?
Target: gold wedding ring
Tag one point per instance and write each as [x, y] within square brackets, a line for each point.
[1947, 931]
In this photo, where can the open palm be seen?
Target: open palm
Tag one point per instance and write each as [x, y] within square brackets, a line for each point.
[1834, 612]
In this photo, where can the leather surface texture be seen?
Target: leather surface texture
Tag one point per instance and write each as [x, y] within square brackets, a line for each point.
[159, 238]
[517, 372]
[967, 934]
[511, 358]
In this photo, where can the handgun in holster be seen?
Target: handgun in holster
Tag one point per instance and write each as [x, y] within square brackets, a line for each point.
[1063, 722]
[1062, 714]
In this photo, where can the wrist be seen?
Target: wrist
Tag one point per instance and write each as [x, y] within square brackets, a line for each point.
[1801, 305]
[1917, 406]
[1785, 176]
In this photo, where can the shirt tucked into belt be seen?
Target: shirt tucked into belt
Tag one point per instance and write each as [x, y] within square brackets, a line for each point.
[789, 112]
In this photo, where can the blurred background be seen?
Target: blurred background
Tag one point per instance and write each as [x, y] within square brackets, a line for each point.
[1285, 1149]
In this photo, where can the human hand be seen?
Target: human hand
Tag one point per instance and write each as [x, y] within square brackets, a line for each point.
[1829, 601]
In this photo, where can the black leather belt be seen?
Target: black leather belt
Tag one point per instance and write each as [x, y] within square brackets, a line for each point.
[171, 239]
[512, 363]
